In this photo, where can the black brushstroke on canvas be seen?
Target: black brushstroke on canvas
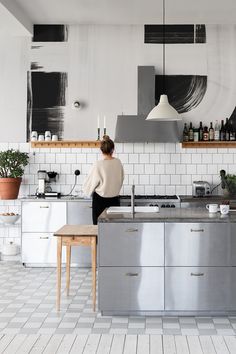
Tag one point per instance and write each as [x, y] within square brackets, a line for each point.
[175, 34]
[232, 118]
[47, 94]
[35, 66]
[50, 33]
[185, 92]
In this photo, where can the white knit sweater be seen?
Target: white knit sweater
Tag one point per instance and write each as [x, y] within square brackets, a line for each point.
[105, 178]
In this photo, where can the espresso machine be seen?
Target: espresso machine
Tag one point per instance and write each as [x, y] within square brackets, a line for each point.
[44, 189]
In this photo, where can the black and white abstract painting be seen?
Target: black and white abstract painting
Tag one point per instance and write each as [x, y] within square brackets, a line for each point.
[46, 89]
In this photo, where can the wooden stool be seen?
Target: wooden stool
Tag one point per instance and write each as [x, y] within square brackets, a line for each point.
[75, 235]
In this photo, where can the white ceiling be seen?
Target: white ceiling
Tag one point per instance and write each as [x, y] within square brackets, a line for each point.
[128, 11]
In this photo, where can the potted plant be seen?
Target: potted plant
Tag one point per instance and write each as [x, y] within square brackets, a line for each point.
[12, 163]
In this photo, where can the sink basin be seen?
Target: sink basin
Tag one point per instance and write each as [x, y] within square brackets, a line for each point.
[138, 209]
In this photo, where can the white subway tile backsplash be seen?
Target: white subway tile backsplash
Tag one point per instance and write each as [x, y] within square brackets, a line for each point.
[144, 158]
[149, 169]
[170, 169]
[164, 158]
[154, 158]
[133, 158]
[155, 168]
[165, 179]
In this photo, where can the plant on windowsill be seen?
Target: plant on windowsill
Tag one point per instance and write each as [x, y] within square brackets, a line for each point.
[12, 164]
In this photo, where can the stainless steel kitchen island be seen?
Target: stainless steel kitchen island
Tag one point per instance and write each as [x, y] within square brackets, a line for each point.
[175, 262]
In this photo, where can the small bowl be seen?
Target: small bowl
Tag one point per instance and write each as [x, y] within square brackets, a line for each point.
[9, 219]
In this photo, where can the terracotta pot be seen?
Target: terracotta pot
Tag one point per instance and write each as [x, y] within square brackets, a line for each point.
[9, 187]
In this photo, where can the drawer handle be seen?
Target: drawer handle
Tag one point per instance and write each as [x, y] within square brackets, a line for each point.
[132, 230]
[197, 230]
[131, 274]
[197, 274]
[44, 207]
[44, 237]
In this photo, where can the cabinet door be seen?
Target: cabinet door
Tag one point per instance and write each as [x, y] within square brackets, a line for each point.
[131, 244]
[198, 244]
[131, 289]
[40, 248]
[43, 216]
[80, 213]
[200, 288]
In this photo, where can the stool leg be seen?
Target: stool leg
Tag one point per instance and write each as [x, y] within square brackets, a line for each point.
[94, 258]
[68, 256]
[59, 251]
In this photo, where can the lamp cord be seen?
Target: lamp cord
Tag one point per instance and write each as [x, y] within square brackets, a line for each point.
[164, 46]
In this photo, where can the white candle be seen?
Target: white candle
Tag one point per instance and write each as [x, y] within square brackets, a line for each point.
[104, 122]
[98, 121]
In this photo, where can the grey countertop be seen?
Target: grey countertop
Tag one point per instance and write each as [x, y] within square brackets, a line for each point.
[33, 198]
[170, 215]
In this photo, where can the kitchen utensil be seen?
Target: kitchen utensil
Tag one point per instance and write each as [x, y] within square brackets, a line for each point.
[224, 209]
[9, 219]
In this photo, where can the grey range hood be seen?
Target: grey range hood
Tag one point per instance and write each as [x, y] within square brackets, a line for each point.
[135, 128]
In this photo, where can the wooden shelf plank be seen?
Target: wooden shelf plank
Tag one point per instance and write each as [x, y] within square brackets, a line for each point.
[66, 144]
[209, 144]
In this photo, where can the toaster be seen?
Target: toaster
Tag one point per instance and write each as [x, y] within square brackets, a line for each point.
[201, 189]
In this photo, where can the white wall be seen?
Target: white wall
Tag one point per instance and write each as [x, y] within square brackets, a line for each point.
[14, 63]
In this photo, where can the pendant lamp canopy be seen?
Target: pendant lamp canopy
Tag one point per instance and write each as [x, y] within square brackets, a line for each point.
[163, 112]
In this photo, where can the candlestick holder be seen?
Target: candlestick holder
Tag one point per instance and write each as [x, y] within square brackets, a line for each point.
[98, 138]
[104, 131]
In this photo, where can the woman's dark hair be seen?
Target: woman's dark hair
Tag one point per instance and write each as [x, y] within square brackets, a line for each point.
[107, 145]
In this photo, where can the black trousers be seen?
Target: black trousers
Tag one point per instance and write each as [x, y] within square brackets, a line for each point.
[99, 204]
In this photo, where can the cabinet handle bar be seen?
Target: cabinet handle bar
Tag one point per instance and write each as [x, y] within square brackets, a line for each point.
[131, 274]
[197, 274]
[197, 230]
[44, 207]
[44, 237]
[131, 230]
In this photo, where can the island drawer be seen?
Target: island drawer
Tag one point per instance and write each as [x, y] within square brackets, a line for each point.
[131, 289]
[200, 288]
[198, 244]
[131, 244]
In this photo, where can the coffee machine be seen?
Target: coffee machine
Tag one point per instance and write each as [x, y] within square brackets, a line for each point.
[44, 190]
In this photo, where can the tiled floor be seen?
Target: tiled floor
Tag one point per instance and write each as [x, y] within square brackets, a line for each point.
[27, 306]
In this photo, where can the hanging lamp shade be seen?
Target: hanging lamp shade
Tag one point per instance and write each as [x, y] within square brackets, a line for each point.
[163, 111]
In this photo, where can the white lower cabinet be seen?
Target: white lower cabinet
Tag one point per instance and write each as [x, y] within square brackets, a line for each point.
[39, 248]
[40, 219]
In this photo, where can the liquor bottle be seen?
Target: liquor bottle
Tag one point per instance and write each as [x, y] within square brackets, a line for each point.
[195, 134]
[185, 132]
[190, 132]
[222, 131]
[200, 132]
[227, 132]
[211, 132]
[205, 134]
[217, 131]
[231, 131]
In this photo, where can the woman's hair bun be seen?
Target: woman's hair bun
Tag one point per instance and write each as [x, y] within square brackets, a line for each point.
[105, 138]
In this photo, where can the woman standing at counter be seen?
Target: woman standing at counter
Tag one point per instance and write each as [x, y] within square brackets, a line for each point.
[105, 180]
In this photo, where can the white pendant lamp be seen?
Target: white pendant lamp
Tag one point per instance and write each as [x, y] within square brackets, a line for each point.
[163, 112]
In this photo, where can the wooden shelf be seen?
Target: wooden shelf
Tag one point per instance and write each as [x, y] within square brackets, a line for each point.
[209, 144]
[66, 144]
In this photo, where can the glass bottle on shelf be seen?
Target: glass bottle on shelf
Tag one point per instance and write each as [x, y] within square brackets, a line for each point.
[200, 132]
[205, 134]
[227, 130]
[195, 134]
[190, 132]
[222, 131]
[211, 132]
[185, 132]
[231, 131]
[217, 131]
